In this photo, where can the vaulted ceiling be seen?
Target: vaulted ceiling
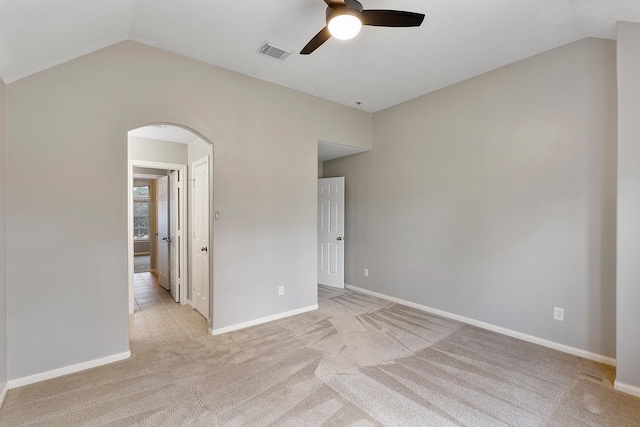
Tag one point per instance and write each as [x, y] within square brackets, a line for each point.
[381, 67]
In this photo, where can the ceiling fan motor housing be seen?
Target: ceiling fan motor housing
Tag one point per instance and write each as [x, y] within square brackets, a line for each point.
[351, 7]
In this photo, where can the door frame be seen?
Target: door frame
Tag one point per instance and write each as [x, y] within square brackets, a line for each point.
[182, 204]
[175, 180]
[162, 254]
[340, 234]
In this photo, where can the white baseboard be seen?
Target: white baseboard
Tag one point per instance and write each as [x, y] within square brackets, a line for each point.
[263, 320]
[3, 393]
[626, 388]
[488, 326]
[19, 382]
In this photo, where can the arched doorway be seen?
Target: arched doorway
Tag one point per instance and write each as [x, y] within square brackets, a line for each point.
[166, 154]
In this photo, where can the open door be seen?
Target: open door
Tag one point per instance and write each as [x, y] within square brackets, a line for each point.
[331, 232]
[174, 235]
[163, 233]
[200, 251]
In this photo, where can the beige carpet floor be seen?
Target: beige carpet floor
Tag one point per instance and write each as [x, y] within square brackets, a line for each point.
[357, 361]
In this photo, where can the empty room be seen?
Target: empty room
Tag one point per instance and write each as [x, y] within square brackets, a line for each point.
[355, 213]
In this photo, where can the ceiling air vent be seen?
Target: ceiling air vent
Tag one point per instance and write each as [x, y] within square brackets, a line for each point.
[277, 52]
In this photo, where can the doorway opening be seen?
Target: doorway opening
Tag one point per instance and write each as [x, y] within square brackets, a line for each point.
[331, 215]
[162, 206]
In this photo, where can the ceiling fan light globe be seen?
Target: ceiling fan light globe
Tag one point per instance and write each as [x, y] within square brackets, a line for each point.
[345, 26]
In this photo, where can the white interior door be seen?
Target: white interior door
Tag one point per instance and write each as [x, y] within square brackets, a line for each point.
[174, 235]
[331, 232]
[163, 233]
[200, 248]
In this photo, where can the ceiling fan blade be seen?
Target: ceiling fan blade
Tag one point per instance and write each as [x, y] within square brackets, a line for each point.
[334, 3]
[391, 18]
[316, 41]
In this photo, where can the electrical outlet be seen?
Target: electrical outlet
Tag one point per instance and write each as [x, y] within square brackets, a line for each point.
[280, 290]
[558, 314]
[366, 271]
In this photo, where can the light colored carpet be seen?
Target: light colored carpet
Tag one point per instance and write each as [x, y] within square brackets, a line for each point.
[357, 361]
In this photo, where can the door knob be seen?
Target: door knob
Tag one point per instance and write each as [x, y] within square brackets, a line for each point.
[203, 249]
[339, 238]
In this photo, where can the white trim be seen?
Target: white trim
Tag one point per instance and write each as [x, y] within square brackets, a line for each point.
[3, 393]
[488, 326]
[148, 176]
[263, 320]
[19, 382]
[130, 243]
[626, 388]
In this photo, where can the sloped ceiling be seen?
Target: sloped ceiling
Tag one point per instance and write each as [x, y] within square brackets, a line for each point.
[381, 67]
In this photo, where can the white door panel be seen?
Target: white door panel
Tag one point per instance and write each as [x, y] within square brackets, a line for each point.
[200, 248]
[331, 232]
[174, 238]
[333, 266]
[321, 256]
[163, 233]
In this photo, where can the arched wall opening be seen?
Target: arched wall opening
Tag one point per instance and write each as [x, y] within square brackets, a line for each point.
[166, 155]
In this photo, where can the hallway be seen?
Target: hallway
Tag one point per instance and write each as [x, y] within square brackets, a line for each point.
[158, 318]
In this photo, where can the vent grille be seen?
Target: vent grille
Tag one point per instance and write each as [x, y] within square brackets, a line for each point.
[273, 51]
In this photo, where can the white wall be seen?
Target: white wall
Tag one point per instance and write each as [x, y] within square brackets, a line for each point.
[197, 149]
[3, 239]
[494, 198]
[152, 150]
[265, 147]
[628, 250]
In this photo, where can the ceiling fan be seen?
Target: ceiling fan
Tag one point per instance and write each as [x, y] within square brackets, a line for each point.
[346, 17]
